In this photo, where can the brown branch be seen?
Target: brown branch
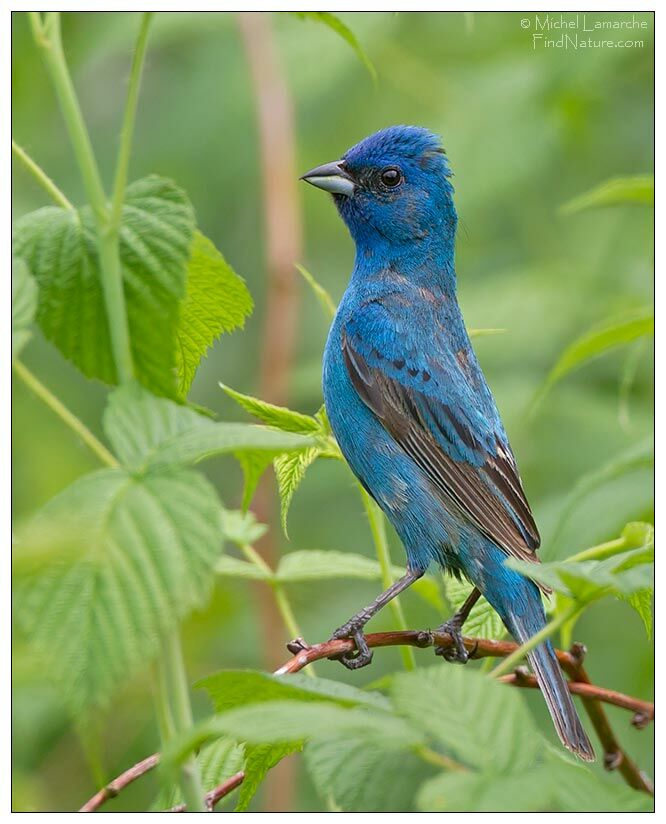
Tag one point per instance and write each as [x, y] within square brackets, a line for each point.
[615, 758]
[642, 708]
[217, 794]
[571, 662]
[125, 779]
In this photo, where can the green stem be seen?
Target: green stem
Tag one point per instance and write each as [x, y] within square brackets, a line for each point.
[283, 604]
[41, 177]
[165, 722]
[48, 37]
[509, 663]
[599, 552]
[175, 716]
[127, 130]
[255, 558]
[69, 418]
[378, 530]
[114, 299]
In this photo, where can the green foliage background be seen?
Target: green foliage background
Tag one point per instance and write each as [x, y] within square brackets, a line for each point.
[526, 132]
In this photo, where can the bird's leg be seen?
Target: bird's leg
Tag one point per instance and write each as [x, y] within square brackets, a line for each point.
[452, 627]
[353, 628]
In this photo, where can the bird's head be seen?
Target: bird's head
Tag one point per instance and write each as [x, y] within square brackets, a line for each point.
[392, 188]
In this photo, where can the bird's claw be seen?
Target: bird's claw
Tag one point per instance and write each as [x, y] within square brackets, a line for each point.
[362, 655]
[456, 654]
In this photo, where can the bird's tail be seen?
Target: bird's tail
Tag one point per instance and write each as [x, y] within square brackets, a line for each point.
[556, 693]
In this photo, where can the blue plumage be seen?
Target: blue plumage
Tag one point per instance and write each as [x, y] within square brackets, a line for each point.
[408, 402]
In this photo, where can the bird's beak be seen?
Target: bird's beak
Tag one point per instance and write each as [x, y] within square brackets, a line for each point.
[331, 177]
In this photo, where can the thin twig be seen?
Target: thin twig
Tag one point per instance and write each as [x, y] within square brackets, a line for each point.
[125, 779]
[642, 708]
[129, 776]
[217, 794]
[615, 758]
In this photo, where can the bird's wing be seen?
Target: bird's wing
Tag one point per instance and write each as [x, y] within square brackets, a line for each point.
[444, 417]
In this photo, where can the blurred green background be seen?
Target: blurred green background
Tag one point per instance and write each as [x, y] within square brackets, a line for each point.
[525, 130]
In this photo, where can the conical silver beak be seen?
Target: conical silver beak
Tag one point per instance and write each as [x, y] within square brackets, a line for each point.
[331, 177]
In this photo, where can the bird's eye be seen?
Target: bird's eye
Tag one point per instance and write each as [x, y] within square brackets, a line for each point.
[391, 177]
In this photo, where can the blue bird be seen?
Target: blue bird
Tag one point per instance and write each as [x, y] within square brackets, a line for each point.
[411, 409]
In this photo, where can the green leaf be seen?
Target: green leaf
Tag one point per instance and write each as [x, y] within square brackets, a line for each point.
[283, 721]
[359, 778]
[483, 621]
[216, 301]
[253, 463]
[289, 471]
[614, 332]
[241, 527]
[322, 564]
[110, 565]
[641, 601]
[260, 758]
[325, 300]
[209, 439]
[344, 31]
[614, 192]
[229, 567]
[217, 761]
[319, 564]
[137, 423]
[60, 248]
[579, 789]
[530, 791]
[229, 689]
[148, 432]
[555, 784]
[24, 304]
[623, 568]
[278, 416]
[462, 704]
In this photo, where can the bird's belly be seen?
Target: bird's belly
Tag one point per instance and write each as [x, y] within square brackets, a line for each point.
[428, 531]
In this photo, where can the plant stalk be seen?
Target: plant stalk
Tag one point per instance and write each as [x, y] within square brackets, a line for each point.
[127, 131]
[175, 715]
[48, 38]
[281, 599]
[41, 177]
[69, 418]
[378, 530]
[599, 552]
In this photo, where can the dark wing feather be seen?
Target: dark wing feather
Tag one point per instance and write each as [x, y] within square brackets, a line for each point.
[489, 494]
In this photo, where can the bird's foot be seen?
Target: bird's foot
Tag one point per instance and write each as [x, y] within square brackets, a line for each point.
[362, 655]
[457, 653]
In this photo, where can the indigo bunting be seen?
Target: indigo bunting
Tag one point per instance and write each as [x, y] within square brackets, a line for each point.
[410, 407]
